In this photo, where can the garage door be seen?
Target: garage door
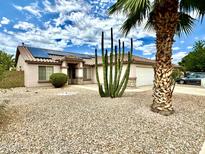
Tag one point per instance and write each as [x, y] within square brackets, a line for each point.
[144, 76]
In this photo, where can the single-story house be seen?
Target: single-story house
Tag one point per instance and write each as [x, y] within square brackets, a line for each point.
[38, 64]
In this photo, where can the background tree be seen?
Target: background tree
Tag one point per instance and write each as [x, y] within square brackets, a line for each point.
[166, 17]
[6, 61]
[195, 60]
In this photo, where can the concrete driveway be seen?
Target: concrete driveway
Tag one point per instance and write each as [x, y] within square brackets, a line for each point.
[183, 89]
[190, 89]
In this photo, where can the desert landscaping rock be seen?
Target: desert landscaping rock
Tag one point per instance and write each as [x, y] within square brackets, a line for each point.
[85, 123]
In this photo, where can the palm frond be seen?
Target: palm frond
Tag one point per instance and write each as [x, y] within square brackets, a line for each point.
[129, 23]
[150, 25]
[118, 6]
[128, 6]
[185, 24]
[136, 11]
[197, 6]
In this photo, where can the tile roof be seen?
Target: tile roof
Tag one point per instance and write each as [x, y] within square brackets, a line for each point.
[136, 60]
[39, 55]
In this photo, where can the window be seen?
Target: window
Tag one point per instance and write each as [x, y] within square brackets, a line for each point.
[44, 72]
[87, 73]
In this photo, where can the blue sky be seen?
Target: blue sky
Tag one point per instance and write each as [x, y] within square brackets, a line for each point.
[76, 25]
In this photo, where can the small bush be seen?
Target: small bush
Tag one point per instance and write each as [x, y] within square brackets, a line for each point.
[58, 79]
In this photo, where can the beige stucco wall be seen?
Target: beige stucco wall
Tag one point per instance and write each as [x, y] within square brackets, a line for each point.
[79, 70]
[20, 63]
[31, 75]
[100, 72]
[144, 75]
[64, 68]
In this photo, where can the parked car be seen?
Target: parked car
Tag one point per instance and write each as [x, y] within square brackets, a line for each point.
[193, 78]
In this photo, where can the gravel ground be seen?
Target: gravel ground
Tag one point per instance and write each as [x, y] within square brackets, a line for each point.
[76, 120]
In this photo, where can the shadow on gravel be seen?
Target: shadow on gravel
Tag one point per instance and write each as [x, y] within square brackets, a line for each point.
[7, 115]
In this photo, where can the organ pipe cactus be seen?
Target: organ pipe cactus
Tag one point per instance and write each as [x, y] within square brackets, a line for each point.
[117, 84]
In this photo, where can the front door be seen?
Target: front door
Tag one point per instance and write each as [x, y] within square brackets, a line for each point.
[71, 73]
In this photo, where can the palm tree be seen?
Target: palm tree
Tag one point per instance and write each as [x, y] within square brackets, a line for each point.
[167, 18]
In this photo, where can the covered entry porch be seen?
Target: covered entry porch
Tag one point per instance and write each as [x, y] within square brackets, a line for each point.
[74, 68]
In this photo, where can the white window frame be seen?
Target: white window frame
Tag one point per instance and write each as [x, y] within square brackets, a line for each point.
[47, 77]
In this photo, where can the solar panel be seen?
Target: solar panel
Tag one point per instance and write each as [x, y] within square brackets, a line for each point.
[38, 53]
[44, 53]
[64, 53]
[59, 53]
[83, 56]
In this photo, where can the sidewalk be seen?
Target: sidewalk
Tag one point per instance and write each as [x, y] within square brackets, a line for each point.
[183, 89]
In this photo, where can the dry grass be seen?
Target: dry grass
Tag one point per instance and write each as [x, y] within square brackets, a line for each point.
[7, 114]
[3, 113]
[12, 79]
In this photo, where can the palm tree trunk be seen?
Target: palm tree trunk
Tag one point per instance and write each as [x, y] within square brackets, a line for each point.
[162, 80]
[166, 19]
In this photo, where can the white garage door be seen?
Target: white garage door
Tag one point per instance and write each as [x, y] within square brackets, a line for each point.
[144, 76]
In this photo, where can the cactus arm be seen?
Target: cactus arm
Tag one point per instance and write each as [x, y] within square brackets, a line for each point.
[111, 64]
[106, 72]
[110, 80]
[104, 66]
[116, 71]
[118, 66]
[127, 73]
[128, 70]
[120, 69]
[100, 89]
[122, 81]
[119, 55]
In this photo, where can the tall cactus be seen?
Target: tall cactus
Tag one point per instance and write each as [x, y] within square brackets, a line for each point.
[117, 83]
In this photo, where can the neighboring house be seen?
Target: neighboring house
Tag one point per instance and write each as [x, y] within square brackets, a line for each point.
[38, 64]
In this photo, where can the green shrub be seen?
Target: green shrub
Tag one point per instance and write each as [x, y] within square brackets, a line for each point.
[58, 79]
[176, 74]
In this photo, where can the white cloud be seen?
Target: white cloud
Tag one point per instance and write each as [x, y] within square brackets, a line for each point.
[88, 53]
[85, 29]
[189, 47]
[182, 42]
[33, 9]
[178, 56]
[23, 25]
[5, 21]
[148, 49]
[8, 43]
[176, 48]
[63, 6]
